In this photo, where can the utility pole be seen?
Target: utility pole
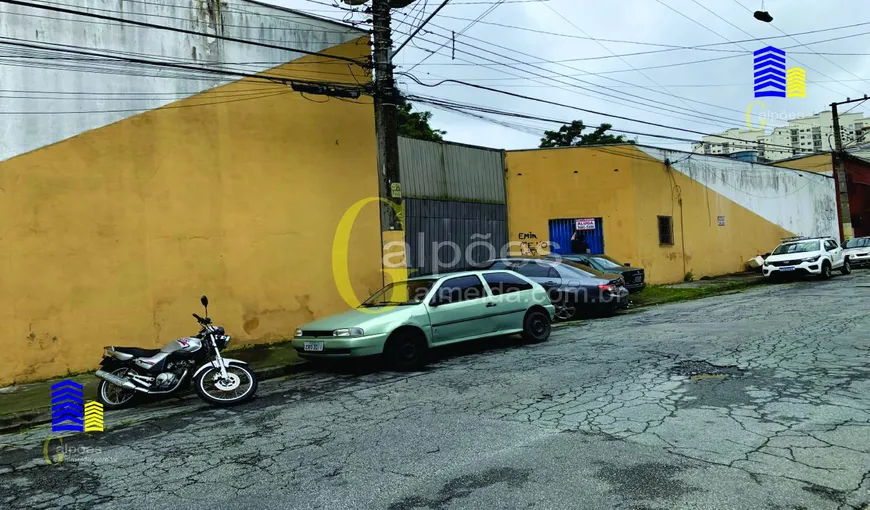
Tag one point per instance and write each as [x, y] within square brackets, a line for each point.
[840, 181]
[386, 128]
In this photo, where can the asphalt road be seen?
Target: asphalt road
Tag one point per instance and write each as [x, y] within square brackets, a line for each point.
[754, 400]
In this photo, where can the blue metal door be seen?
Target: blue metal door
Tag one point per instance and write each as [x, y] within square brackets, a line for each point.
[561, 231]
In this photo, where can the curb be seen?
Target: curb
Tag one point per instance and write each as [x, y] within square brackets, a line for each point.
[27, 419]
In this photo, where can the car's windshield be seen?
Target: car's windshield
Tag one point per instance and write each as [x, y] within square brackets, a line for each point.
[607, 262]
[410, 292]
[796, 248]
[861, 242]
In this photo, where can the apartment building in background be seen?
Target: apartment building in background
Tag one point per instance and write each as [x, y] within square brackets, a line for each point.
[800, 136]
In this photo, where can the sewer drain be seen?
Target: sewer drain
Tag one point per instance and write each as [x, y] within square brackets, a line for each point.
[704, 371]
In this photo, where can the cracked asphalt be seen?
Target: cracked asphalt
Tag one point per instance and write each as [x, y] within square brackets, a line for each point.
[752, 400]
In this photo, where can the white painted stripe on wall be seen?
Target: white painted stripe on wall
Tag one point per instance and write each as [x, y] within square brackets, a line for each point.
[98, 93]
[803, 203]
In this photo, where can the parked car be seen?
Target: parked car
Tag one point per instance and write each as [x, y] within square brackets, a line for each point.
[633, 276]
[404, 320]
[806, 256]
[857, 251]
[570, 288]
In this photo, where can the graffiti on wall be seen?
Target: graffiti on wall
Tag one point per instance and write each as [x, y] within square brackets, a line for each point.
[530, 246]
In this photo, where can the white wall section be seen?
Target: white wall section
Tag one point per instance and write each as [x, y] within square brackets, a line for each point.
[803, 203]
[47, 96]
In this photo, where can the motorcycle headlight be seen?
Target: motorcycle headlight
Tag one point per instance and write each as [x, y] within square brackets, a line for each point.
[348, 332]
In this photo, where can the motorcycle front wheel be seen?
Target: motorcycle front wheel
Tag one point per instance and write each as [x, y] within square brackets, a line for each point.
[239, 386]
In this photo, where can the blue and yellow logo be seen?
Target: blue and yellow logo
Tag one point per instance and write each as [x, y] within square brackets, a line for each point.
[771, 78]
[70, 413]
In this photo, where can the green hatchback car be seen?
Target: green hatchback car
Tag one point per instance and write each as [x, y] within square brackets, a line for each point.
[403, 320]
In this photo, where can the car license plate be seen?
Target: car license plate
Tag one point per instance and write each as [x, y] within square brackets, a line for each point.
[313, 346]
[787, 268]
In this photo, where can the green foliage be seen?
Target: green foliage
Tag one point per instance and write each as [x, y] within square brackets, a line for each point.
[689, 277]
[571, 135]
[416, 124]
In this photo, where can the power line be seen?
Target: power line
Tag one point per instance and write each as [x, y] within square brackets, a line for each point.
[174, 65]
[116, 63]
[683, 100]
[420, 27]
[670, 47]
[585, 110]
[457, 105]
[571, 77]
[600, 73]
[573, 86]
[471, 24]
[175, 29]
[135, 110]
[463, 109]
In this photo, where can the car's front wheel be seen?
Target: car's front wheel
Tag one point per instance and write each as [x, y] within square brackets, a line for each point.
[847, 267]
[536, 326]
[405, 350]
[826, 270]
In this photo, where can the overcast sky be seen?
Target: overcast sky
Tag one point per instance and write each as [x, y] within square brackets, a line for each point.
[576, 66]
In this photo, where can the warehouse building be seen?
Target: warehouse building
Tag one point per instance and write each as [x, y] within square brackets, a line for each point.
[673, 213]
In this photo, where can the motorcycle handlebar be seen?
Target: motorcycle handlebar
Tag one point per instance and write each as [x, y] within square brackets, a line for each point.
[201, 320]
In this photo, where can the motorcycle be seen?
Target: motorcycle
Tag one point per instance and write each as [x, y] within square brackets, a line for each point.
[128, 373]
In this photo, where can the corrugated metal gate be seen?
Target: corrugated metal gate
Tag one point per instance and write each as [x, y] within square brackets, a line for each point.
[561, 231]
[462, 233]
[454, 197]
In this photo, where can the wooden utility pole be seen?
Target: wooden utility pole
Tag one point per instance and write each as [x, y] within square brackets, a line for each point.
[840, 181]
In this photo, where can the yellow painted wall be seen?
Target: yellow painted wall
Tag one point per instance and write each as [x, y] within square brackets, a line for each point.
[571, 183]
[814, 163]
[110, 237]
[629, 190]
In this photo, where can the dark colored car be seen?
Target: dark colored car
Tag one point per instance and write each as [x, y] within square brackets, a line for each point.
[571, 288]
[634, 277]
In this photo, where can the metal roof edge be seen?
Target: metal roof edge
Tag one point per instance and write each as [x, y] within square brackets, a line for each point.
[459, 144]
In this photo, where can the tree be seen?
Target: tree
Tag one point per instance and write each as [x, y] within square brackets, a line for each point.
[571, 135]
[416, 124]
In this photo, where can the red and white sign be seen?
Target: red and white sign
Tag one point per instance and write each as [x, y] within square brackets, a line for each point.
[585, 223]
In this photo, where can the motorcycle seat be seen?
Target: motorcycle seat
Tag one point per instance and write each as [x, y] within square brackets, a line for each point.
[137, 352]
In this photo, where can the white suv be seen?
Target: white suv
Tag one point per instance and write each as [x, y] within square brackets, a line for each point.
[806, 256]
[857, 251]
